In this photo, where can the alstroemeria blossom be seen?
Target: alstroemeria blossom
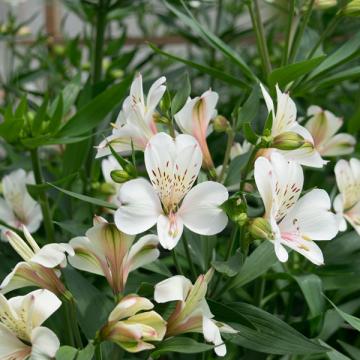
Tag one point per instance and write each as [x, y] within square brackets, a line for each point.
[347, 203]
[192, 313]
[284, 121]
[18, 208]
[133, 325]
[296, 222]
[135, 123]
[39, 267]
[109, 252]
[323, 126]
[21, 333]
[107, 166]
[169, 200]
[194, 118]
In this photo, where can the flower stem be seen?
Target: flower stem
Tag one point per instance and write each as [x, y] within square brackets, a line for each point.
[98, 353]
[70, 305]
[176, 263]
[285, 55]
[188, 255]
[260, 35]
[70, 335]
[43, 200]
[300, 32]
[230, 140]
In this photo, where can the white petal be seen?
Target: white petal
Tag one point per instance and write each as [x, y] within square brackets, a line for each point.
[212, 334]
[140, 207]
[353, 216]
[169, 230]
[143, 252]
[85, 258]
[52, 255]
[107, 166]
[268, 100]
[155, 93]
[200, 210]
[10, 346]
[175, 288]
[45, 343]
[14, 280]
[280, 252]
[340, 144]
[136, 90]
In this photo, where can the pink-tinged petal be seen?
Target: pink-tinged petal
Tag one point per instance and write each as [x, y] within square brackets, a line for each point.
[52, 255]
[200, 210]
[85, 257]
[169, 230]
[45, 343]
[353, 217]
[212, 334]
[140, 207]
[143, 252]
[311, 217]
[340, 144]
[176, 288]
[18, 278]
[11, 347]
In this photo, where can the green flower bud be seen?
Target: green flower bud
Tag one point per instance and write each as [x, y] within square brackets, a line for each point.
[120, 176]
[107, 189]
[220, 124]
[324, 4]
[352, 8]
[261, 229]
[235, 208]
[288, 141]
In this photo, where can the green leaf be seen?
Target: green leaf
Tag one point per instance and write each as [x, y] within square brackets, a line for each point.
[216, 73]
[286, 74]
[88, 117]
[249, 110]
[89, 199]
[353, 351]
[272, 335]
[333, 354]
[66, 353]
[350, 319]
[39, 117]
[180, 344]
[181, 95]
[341, 55]
[212, 40]
[250, 134]
[92, 305]
[231, 267]
[311, 287]
[56, 117]
[87, 353]
[256, 264]
[235, 168]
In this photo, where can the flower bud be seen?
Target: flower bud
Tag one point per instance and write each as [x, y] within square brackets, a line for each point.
[220, 124]
[120, 176]
[352, 8]
[235, 208]
[324, 4]
[288, 141]
[261, 229]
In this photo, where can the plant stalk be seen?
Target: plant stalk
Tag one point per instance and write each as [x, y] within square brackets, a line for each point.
[285, 56]
[230, 140]
[43, 200]
[188, 255]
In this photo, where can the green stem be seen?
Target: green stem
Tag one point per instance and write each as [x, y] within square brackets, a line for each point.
[300, 32]
[230, 140]
[248, 167]
[98, 353]
[43, 200]
[69, 333]
[285, 56]
[70, 302]
[176, 262]
[260, 35]
[188, 255]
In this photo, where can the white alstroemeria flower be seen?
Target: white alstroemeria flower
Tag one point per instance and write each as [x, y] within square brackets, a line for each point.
[133, 325]
[39, 267]
[135, 122]
[347, 203]
[107, 166]
[192, 313]
[284, 122]
[108, 252]
[323, 126]
[17, 207]
[168, 201]
[295, 222]
[21, 334]
[194, 118]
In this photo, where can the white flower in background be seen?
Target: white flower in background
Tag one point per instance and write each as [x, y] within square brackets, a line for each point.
[192, 313]
[295, 222]
[108, 252]
[21, 334]
[323, 126]
[107, 166]
[347, 203]
[284, 123]
[169, 201]
[17, 207]
[194, 118]
[132, 328]
[39, 267]
[135, 122]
